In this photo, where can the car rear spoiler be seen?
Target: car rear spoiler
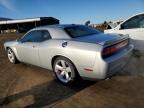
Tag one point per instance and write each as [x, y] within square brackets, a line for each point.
[114, 41]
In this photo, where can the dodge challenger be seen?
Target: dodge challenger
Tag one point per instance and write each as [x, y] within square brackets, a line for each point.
[72, 51]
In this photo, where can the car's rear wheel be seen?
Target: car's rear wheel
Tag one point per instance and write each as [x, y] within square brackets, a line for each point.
[11, 56]
[64, 70]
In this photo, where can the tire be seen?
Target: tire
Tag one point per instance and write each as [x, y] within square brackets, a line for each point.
[64, 70]
[11, 56]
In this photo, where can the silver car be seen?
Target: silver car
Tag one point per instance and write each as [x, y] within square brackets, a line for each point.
[72, 51]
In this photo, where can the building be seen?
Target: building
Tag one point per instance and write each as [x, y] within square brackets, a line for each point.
[23, 25]
[106, 25]
[4, 19]
[100, 27]
[113, 24]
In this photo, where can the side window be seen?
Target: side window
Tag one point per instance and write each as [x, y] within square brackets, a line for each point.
[134, 22]
[141, 22]
[36, 36]
[33, 36]
[45, 35]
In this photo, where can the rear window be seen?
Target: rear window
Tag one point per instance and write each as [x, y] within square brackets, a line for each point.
[79, 31]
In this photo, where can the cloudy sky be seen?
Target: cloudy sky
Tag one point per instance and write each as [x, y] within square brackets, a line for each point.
[72, 11]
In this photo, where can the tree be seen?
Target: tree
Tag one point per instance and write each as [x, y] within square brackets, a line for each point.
[87, 23]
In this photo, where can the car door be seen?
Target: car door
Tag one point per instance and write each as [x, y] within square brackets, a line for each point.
[135, 28]
[45, 50]
[28, 47]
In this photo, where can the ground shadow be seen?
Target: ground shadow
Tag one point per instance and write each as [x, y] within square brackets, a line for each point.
[48, 93]
[135, 65]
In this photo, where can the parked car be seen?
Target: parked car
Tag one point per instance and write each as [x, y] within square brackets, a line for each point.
[134, 27]
[71, 51]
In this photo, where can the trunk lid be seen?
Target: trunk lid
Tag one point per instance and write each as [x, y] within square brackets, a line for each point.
[111, 43]
[102, 39]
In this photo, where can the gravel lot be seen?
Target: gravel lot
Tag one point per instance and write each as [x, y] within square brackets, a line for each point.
[26, 86]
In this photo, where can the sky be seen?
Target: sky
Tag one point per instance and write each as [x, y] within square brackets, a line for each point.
[72, 11]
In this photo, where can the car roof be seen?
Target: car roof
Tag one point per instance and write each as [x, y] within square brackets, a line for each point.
[57, 26]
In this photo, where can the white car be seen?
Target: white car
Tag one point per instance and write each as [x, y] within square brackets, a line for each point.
[134, 27]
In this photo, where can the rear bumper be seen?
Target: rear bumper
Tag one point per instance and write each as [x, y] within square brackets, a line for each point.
[118, 62]
[110, 66]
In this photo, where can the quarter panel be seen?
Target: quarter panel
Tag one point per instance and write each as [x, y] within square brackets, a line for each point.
[83, 55]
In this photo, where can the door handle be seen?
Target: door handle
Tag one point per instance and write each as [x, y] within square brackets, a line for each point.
[33, 46]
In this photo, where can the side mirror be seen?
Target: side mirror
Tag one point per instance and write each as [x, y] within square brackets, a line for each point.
[25, 41]
[19, 40]
[118, 27]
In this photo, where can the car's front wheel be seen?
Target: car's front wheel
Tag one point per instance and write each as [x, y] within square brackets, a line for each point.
[64, 70]
[11, 56]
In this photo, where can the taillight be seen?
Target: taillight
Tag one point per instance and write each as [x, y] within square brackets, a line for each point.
[110, 50]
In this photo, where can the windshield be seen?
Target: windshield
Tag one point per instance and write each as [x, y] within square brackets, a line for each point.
[79, 31]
